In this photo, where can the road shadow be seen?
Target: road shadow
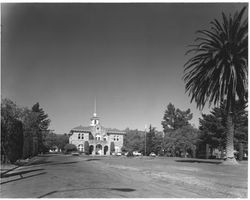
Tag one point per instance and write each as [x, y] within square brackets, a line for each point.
[21, 178]
[123, 189]
[200, 161]
[70, 190]
[51, 163]
[46, 155]
[19, 173]
[92, 159]
[39, 162]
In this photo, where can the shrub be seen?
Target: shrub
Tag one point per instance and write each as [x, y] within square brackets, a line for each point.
[112, 147]
[130, 154]
[86, 147]
[69, 148]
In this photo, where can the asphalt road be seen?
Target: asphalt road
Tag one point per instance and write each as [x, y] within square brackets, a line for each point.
[66, 176]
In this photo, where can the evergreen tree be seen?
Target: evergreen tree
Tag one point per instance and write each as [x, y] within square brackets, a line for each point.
[112, 147]
[150, 140]
[86, 147]
[213, 126]
[175, 118]
[43, 124]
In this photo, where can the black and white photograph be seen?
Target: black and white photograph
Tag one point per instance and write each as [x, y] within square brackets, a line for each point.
[124, 99]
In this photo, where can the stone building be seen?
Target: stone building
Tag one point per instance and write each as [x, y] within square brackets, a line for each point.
[98, 137]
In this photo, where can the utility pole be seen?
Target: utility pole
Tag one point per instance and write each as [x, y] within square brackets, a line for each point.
[145, 140]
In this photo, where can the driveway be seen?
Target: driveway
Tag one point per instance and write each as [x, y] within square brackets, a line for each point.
[66, 176]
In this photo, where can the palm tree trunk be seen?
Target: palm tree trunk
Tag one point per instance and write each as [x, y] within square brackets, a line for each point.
[230, 159]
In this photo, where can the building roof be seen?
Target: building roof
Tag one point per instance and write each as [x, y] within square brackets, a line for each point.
[114, 130]
[89, 129]
[82, 128]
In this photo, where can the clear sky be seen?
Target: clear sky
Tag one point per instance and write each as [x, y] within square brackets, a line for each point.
[129, 57]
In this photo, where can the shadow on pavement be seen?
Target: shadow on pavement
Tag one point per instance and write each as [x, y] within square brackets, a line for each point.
[200, 161]
[92, 159]
[51, 163]
[47, 155]
[21, 178]
[20, 173]
[116, 189]
[39, 162]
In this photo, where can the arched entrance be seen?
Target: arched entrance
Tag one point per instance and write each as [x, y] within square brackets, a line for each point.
[91, 148]
[98, 149]
[106, 150]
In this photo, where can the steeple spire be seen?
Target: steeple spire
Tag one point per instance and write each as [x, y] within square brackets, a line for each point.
[94, 119]
[95, 108]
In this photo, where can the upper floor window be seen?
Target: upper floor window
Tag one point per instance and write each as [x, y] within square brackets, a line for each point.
[98, 137]
[80, 136]
[116, 137]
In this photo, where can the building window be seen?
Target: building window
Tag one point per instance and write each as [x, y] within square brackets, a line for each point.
[98, 137]
[80, 147]
[116, 137]
[83, 136]
[79, 136]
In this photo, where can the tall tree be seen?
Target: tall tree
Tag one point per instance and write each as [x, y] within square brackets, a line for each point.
[213, 126]
[182, 140]
[150, 139]
[11, 131]
[218, 71]
[30, 128]
[175, 118]
[134, 140]
[43, 124]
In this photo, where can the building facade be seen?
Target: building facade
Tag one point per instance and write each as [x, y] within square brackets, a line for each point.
[99, 139]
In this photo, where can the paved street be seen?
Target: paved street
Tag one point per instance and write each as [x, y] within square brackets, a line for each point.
[66, 176]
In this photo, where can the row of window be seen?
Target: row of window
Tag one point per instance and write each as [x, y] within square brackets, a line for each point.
[116, 137]
[81, 136]
[99, 138]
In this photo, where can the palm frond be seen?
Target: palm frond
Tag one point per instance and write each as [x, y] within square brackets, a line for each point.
[218, 70]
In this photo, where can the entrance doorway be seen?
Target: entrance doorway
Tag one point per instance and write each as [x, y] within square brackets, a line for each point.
[99, 149]
[105, 150]
[91, 148]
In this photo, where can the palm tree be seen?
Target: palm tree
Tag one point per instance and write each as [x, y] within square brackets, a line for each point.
[218, 71]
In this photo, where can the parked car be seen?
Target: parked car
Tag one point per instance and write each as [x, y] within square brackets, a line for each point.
[118, 154]
[152, 154]
[136, 153]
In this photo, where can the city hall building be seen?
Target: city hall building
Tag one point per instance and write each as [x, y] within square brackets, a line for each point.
[98, 137]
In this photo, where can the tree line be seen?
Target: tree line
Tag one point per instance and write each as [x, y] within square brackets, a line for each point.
[180, 138]
[23, 131]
